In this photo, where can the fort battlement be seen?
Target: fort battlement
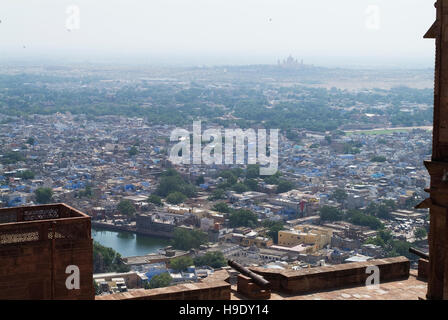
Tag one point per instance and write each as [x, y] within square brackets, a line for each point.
[37, 244]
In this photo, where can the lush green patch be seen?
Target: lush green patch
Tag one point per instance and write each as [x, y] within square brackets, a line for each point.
[214, 259]
[181, 263]
[43, 195]
[184, 239]
[160, 281]
[107, 260]
[243, 218]
[156, 200]
[127, 208]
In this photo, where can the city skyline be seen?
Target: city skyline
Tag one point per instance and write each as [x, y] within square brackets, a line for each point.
[348, 33]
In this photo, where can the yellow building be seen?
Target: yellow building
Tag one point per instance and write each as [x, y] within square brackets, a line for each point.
[259, 242]
[316, 236]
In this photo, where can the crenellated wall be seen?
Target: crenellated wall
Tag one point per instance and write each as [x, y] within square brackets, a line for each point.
[37, 244]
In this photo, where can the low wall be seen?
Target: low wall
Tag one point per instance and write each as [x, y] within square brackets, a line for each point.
[216, 290]
[112, 227]
[335, 276]
[423, 269]
[299, 282]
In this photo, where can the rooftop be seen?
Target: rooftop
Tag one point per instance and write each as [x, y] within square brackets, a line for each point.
[38, 223]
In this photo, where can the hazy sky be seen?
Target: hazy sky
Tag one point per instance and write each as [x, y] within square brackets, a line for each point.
[324, 32]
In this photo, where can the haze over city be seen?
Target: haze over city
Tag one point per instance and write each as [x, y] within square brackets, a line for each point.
[354, 33]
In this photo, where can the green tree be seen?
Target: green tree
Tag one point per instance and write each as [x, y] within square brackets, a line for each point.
[87, 192]
[339, 195]
[160, 281]
[217, 194]
[240, 188]
[252, 171]
[222, 207]
[230, 177]
[27, 175]
[361, 219]
[243, 218]
[11, 157]
[400, 248]
[237, 172]
[133, 151]
[44, 195]
[420, 233]
[285, 186]
[412, 202]
[181, 263]
[391, 204]
[214, 259]
[252, 184]
[96, 288]
[200, 180]
[185, 239]
[371, 209]
[383, 212]
[392, 248]
[127, 208]
[155, 199]
[273, 228]
[273, 179]
[378, 159]
[30, 141]
[107, 260]
[175, 198]
[171, 181]
[331, 214]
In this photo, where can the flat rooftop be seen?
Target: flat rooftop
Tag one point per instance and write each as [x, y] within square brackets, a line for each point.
[38, 213]
[152, 257]
[40, 223]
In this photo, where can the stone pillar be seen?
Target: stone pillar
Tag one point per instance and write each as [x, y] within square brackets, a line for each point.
[438, 166]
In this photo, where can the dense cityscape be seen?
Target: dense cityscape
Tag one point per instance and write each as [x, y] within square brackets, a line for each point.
[350, 167]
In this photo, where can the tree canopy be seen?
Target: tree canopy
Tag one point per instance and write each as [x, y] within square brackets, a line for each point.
[127, 208]
[214, 259]
[339, 195]
[222, 207]
[171, 181]
[273, 228]
[160, 281]
[107, 260]
[44, 195]
[176, 198]
[243, 218]
[420, 233]
[185, 239]
[285, 186]
[155, 199]
[181, 263]
[331, 214]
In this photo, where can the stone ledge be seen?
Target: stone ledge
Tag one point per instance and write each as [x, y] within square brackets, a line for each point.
[333, 277]
[216, 290]
[423, 269]
[220, 275]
